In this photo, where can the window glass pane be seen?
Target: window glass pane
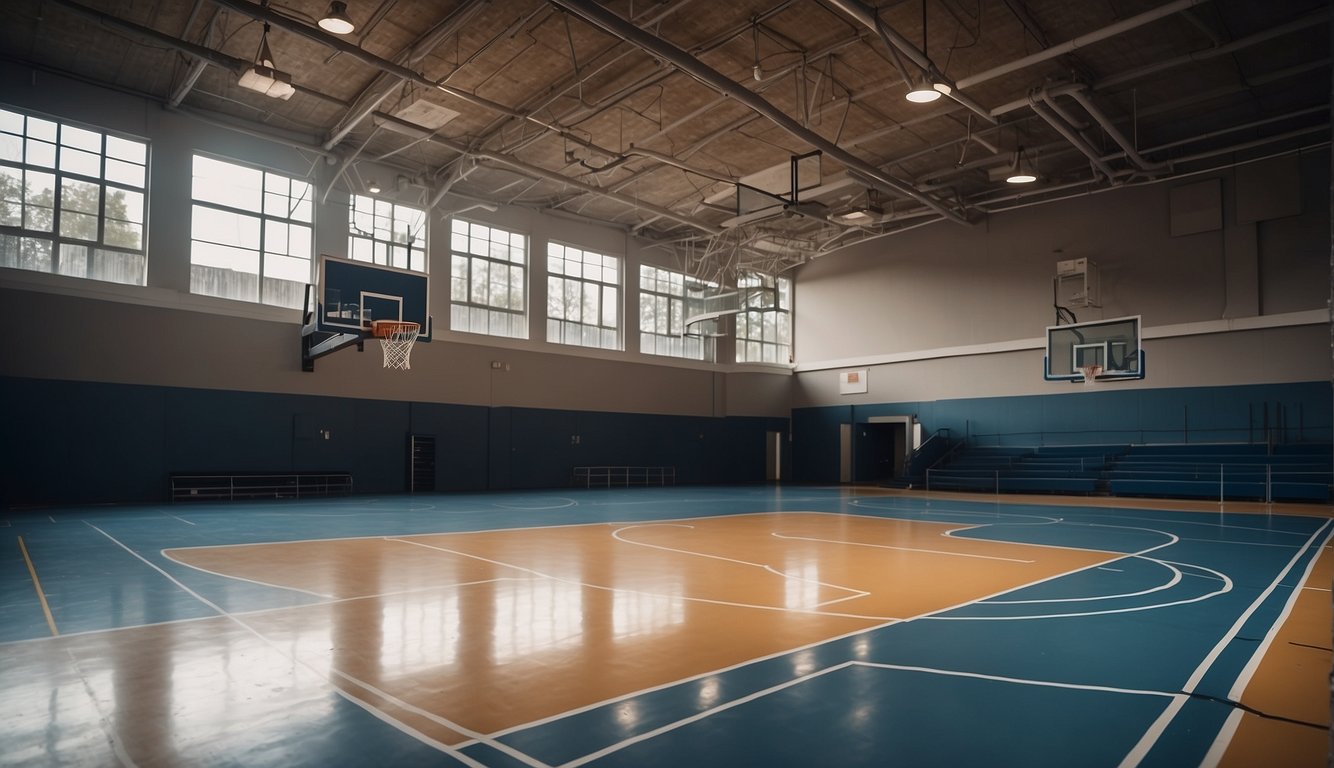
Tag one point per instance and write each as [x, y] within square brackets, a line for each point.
[225, 228]
[11, 197]
[41, 129]
[227, 184]
[39, 201]
[125, 173]
[40, 153]
[610, 306]
[11, 148]
[81, 139]
[11, 122]
[72, 260]
[118, 266]
[130, 151]
[80, 162]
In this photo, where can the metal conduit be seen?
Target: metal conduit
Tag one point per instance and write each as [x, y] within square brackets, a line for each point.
[615, 25]
[1041, 110]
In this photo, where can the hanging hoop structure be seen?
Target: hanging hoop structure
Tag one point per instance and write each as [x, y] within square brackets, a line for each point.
[1091, 373]
[396, 339]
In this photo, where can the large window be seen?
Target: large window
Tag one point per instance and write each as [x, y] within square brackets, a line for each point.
[764, 326]
[382, 232]
[583, 297]
[662, 314]
[71, 200]
[250, 234]
[487, 272]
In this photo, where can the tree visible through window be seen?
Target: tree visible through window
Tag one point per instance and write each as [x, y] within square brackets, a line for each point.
[487, 275]
[764, 326]
[583, 297]
[662, 314]
[72, 200]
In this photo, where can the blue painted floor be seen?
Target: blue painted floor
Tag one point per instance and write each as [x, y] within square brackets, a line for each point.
[1129, 661]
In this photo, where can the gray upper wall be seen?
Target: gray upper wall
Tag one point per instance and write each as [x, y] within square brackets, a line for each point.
[947, 311]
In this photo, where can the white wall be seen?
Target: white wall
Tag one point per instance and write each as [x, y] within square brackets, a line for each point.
[162, 334]
[948, 311]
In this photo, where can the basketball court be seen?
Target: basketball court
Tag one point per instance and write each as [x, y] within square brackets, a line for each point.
[710, 626]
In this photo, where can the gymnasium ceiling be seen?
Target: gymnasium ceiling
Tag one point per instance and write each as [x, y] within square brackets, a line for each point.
[648, 114]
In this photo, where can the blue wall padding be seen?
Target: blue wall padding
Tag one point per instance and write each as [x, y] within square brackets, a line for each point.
[1299, 412]
[83, 442]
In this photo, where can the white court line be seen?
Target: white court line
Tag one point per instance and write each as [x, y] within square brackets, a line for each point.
[618, 746]
[621, 590]
[1159, 726]
[174, 517]
[909, 549]
[1172, 582]
[678, 724]
[375, 711]
[616, 534]
[1019, 680]
[779, 654]
[1224, 738]
[165, 553]
[1227, 587]
[1248, 671]
[1317, 589]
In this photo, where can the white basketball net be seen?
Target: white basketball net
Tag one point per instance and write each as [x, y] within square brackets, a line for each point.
[1091, 373]
[397, 345]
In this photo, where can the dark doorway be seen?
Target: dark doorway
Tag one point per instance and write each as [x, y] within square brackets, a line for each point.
[880, 451]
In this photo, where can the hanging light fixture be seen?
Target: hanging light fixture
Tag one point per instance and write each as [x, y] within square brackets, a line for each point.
[924, 91]
[926, 88]
[1021, 172]
[263, 75]
[373, 187]
[335, 19]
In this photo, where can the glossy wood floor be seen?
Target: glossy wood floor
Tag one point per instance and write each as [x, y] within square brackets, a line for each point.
[709, 626]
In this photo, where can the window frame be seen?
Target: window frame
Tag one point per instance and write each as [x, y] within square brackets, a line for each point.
[264, 219]
[752, 316]
[671, 342]
[607, 335]
[465, 313]
[417, 248]
[68, 141]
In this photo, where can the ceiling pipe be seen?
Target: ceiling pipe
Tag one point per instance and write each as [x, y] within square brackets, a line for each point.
[1051, 118]
[615, 25]
[867, 17]
[1080, 94]
[342, 46]
[199, 65]
[385, 84]
[200, 52]
[1111, 30]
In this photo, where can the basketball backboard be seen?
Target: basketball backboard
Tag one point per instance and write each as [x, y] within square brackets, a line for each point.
[349, 295]
[1113, 344]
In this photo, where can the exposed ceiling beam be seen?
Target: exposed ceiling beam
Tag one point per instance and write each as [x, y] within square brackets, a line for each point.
[615, 25]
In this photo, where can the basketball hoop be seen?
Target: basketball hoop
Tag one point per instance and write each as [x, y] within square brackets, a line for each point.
[396, 339]
[1091, 373]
